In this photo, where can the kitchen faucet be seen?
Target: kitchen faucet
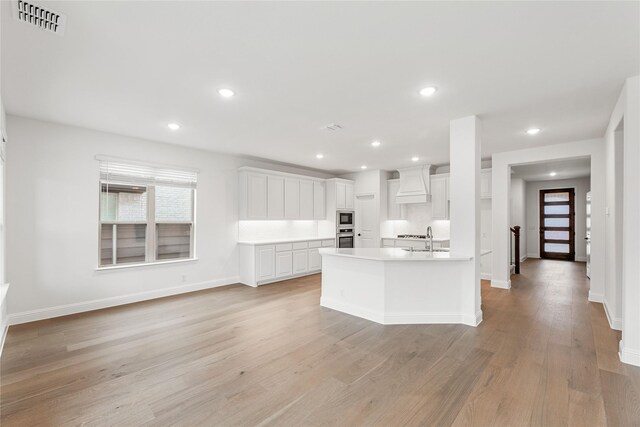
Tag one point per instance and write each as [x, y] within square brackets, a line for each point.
[430, 238]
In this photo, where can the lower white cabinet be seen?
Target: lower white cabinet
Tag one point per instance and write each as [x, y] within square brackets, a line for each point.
[266, 263]
[284, 264]
[300, 261]
[315, 260]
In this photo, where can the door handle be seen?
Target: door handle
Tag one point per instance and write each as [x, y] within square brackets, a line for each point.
[359, 234]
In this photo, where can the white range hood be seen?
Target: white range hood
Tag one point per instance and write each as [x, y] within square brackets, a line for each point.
[415, 185]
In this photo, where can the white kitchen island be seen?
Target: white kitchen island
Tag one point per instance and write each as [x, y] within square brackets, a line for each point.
[395, 286]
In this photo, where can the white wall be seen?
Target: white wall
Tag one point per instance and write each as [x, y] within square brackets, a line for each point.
[581, 186]
[52, 220]
[622, 290]
[518, 214]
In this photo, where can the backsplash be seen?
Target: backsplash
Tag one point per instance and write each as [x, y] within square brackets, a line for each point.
[285, 229]
[418, 217]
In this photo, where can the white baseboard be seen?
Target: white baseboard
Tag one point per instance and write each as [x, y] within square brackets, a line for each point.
[80, 307]
[4, 335]
[614, 323]
[523, 258]
[533, 256]
[502, 284]
[581, 258]
[594, 297]
[402, 318]
[485, 276]
[630, 356]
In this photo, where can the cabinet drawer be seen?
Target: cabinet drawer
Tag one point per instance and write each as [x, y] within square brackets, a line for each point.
[328, 243]
[315, 244]
[284, 247]
[299, 245]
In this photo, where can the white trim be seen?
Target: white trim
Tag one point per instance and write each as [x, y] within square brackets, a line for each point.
[533, 256]
[103, 158]
[581, 258]
[4, 336]
[614, 323]
[285, 174]
[630, 356]
[145, 264]
[485, 276]
[523, 258]
[80, 307]
[593, 297]
[402, 318]
[501, 284]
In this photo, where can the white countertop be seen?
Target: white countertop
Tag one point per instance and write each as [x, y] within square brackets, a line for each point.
[435, 239]
[275, 241]
[393, 254]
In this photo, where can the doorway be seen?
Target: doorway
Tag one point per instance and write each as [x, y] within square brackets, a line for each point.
[557, 224]
[367, 226]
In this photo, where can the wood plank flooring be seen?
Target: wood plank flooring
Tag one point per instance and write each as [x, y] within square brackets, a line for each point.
[543, 356]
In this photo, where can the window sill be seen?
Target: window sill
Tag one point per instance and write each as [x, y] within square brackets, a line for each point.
[145, 264]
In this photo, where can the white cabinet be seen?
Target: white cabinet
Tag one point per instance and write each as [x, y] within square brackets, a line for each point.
[440, 196]
[349, 196]
[256, 200]
[306, 200]
[300, 261]
[341, 195]
[291, 198]
[284, 264]
[395, 210]
[485, 184]
[318, 200]
[273, 262]
[315, 260]
[265, 262]
[275, 197]
[344, 195]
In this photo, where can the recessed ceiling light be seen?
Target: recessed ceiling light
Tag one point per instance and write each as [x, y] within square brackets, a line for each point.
[173, 126]
[363, 167]
[375, 144]
[319, 156]
[227, 93]
[415, 159]
[552, 174]
[428, 91]
[533, 131]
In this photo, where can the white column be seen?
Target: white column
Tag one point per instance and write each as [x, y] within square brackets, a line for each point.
[464, 193]
[630, 344]
[500, 212]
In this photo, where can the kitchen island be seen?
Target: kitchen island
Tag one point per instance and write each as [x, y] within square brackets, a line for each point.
[397, 286]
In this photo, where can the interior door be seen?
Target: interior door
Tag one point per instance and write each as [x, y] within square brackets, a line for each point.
[366, 225]
[557, 224]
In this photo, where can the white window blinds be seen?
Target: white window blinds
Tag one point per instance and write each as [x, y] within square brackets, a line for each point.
[114, 171]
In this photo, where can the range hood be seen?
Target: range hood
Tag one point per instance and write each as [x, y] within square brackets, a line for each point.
[415, 185]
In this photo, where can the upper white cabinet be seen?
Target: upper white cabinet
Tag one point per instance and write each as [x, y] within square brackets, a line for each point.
[256, 201]
[318, 200]
[395, 210]
[440, 196]
[306, 199]
[268, 194]
[275, 197]
[485, 184]
[344, 194]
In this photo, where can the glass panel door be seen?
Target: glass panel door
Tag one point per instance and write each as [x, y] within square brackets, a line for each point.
[557, 224]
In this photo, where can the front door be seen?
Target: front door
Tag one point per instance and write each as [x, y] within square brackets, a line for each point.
[557, 224]
[366, 224]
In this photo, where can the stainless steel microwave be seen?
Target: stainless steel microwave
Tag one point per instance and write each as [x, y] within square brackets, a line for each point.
[344, 219]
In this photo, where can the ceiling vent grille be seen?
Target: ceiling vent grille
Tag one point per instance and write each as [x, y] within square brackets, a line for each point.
[40, 17]
[333, 127]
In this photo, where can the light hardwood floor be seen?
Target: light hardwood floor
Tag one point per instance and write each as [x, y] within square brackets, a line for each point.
[543, 356]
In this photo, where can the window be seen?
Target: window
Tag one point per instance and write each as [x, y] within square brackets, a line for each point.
[146, 213]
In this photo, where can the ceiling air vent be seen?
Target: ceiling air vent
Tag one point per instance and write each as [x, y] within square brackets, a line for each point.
[38, 16]
[332, 126]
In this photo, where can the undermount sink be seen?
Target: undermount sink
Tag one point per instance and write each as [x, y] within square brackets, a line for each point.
[425, 250]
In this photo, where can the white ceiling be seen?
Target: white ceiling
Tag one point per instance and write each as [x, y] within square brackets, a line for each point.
[133, 67]
[564, 169]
